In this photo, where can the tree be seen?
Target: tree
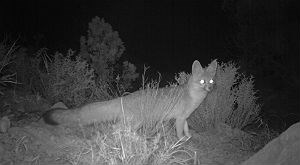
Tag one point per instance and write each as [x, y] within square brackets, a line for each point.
[102, 48]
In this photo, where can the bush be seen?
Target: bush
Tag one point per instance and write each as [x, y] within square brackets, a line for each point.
[28, 68]
[71, 81]
[7, 57]
[23, 68]
[102, 48]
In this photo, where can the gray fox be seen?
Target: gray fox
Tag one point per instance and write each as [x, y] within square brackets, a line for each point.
[174, 102]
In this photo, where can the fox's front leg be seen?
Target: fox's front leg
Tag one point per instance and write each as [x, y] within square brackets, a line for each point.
[180, 122]
[186, 129]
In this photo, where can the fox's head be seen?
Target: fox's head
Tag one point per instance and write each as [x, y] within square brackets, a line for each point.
[203, 77]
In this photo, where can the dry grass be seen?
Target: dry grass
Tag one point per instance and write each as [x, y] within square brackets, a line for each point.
[120, 144]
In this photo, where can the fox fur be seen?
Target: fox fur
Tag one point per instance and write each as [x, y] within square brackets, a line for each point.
[176, 102]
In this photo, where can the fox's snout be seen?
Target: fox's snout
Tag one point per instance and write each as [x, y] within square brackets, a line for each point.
[208, 88]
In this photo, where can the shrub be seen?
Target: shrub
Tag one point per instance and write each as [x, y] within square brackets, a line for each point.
[7, 57]
[23, 68]
[28, 68]
[94, 74]
[71, 81]
[102, 48]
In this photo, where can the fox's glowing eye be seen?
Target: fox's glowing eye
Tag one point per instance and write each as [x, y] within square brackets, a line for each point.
[201, 81]
[211, 81]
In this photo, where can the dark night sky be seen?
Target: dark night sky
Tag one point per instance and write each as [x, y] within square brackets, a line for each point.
[166, 35]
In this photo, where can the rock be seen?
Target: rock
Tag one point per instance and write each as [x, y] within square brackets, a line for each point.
[59, 105]
[283, 150]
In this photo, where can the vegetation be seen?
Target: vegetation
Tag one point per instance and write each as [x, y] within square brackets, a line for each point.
[97, 73]
[7, 56]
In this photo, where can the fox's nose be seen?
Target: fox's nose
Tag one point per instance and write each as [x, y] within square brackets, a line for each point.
[208, 88]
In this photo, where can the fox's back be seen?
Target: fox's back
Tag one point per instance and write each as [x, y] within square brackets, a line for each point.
[154, 104]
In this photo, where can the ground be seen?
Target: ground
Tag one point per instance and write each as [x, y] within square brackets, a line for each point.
[28, 140]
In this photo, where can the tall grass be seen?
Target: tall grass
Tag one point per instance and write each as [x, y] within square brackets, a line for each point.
[7, 56]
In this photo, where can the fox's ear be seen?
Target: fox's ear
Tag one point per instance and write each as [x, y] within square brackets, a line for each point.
[197, 68]
[212, 68]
